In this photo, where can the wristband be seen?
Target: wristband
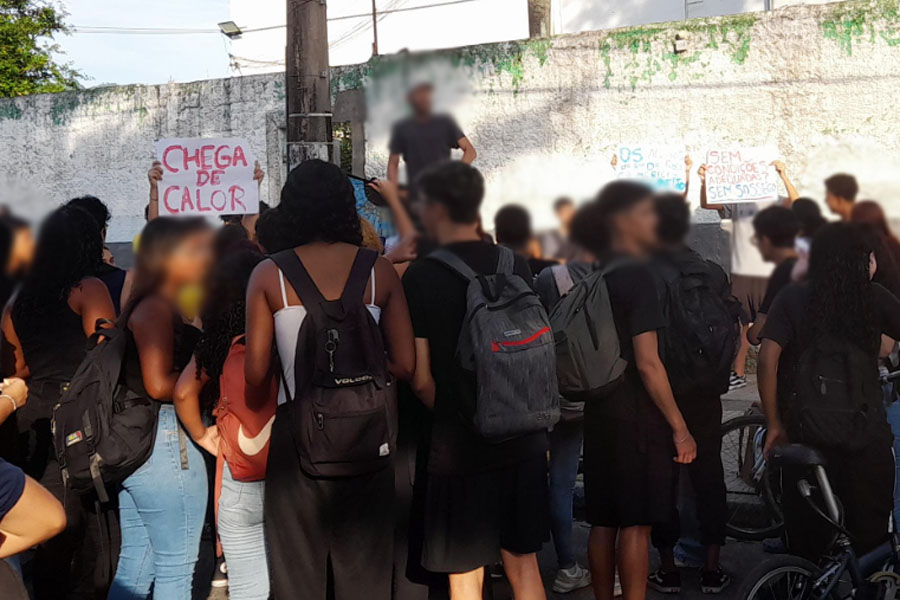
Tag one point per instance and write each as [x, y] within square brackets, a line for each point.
[12, 400]
[682, 440]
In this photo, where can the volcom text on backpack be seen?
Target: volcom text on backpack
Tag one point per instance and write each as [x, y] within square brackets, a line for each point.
[344, 405]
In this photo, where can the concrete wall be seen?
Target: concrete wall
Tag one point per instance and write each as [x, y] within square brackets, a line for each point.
[819, 82]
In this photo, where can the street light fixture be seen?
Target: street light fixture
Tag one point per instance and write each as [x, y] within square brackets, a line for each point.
[230, 29]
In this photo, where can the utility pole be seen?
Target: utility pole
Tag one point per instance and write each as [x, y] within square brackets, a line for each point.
[307, 82]
[374, 29]
[539, 19]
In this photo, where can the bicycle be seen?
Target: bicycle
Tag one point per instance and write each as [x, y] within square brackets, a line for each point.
[753, 488]
[753, 492]
[786, 577]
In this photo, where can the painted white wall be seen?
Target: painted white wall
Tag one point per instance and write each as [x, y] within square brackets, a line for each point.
[551, 130]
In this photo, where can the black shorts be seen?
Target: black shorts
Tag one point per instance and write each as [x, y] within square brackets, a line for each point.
[469, 518]
[628, 469]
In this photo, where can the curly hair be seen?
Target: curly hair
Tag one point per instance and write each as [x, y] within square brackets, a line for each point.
[840, 300]
[69, 249]
[318, 199]
[224, 312]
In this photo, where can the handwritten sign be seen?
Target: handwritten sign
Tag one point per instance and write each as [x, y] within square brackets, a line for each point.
[206, 176]
[741, 175]
[661, 167]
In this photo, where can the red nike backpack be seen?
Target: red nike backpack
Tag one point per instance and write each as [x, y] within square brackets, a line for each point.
[244, 417]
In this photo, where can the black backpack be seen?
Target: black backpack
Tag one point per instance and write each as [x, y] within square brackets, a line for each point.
[344, 410]
[703, 329]
[836, 395]
[102, 432]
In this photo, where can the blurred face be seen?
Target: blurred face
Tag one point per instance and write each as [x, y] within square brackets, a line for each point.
[565, 214]
[833, 202]
[873, 265]
[191, 259]
[638, 225]
[765, 246]
[420, 100]
[21, 253]
[433, 214]
[249, 223]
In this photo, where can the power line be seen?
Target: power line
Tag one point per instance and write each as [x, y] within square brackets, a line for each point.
[103, 29]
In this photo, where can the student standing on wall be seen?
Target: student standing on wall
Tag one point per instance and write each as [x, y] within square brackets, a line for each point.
[749, 273]
[163, 503]
[484, 499]
[46, 329]
[337, 315]
[632, 434]
[423, 139]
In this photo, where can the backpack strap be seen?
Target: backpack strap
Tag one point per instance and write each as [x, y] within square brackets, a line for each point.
[363, 265]
[297, 275]
[506, 262]
[454, 263]
[563, 279]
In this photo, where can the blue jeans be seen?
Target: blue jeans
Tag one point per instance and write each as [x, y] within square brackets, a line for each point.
[240, 526]
[162, 507]
[565, 448]
[893, 417]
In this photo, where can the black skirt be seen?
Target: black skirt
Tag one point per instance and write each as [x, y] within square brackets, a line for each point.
[628, 460]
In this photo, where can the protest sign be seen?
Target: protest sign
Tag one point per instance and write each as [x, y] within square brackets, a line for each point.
[206, 176]
[661, 167]
[741, 175]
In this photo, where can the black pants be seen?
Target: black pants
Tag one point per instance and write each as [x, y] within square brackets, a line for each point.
[410, 579]
[314, 525]
[80, 562]
[703, 416]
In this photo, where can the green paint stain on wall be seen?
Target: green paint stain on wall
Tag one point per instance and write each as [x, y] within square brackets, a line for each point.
[9, 110]
[856, 21]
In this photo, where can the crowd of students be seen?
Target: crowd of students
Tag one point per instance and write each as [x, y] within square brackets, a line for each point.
[325, 391]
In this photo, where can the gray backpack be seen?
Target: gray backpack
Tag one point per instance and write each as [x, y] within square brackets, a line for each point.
[589, 363]
[506, 342]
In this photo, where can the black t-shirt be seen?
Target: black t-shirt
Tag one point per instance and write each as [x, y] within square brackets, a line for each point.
[424, 142]
[635, 294]
[780, 279]
[437, 305]
[539, 264]
[789, 324]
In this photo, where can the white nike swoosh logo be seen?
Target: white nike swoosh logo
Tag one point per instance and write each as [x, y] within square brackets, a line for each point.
[251, 446]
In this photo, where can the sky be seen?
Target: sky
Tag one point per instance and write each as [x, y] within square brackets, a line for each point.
[117, 58]
[123, 59]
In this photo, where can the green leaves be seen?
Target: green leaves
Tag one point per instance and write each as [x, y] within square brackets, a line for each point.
[27, 65]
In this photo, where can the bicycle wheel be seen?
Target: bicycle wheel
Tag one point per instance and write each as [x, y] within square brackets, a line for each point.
[783, 577]
[752, 490]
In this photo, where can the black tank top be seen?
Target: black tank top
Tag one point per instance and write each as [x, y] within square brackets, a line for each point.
[186, 337]
[53, 349]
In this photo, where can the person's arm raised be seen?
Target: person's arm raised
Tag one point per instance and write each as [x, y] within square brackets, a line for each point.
[469, 153]
[688, 163]
[704, 202]
[656, 382]
[187, 406]
[154, 176]
[792, 194]
[260, 325]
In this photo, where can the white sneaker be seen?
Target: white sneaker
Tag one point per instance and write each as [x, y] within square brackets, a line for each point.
[573, 578]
